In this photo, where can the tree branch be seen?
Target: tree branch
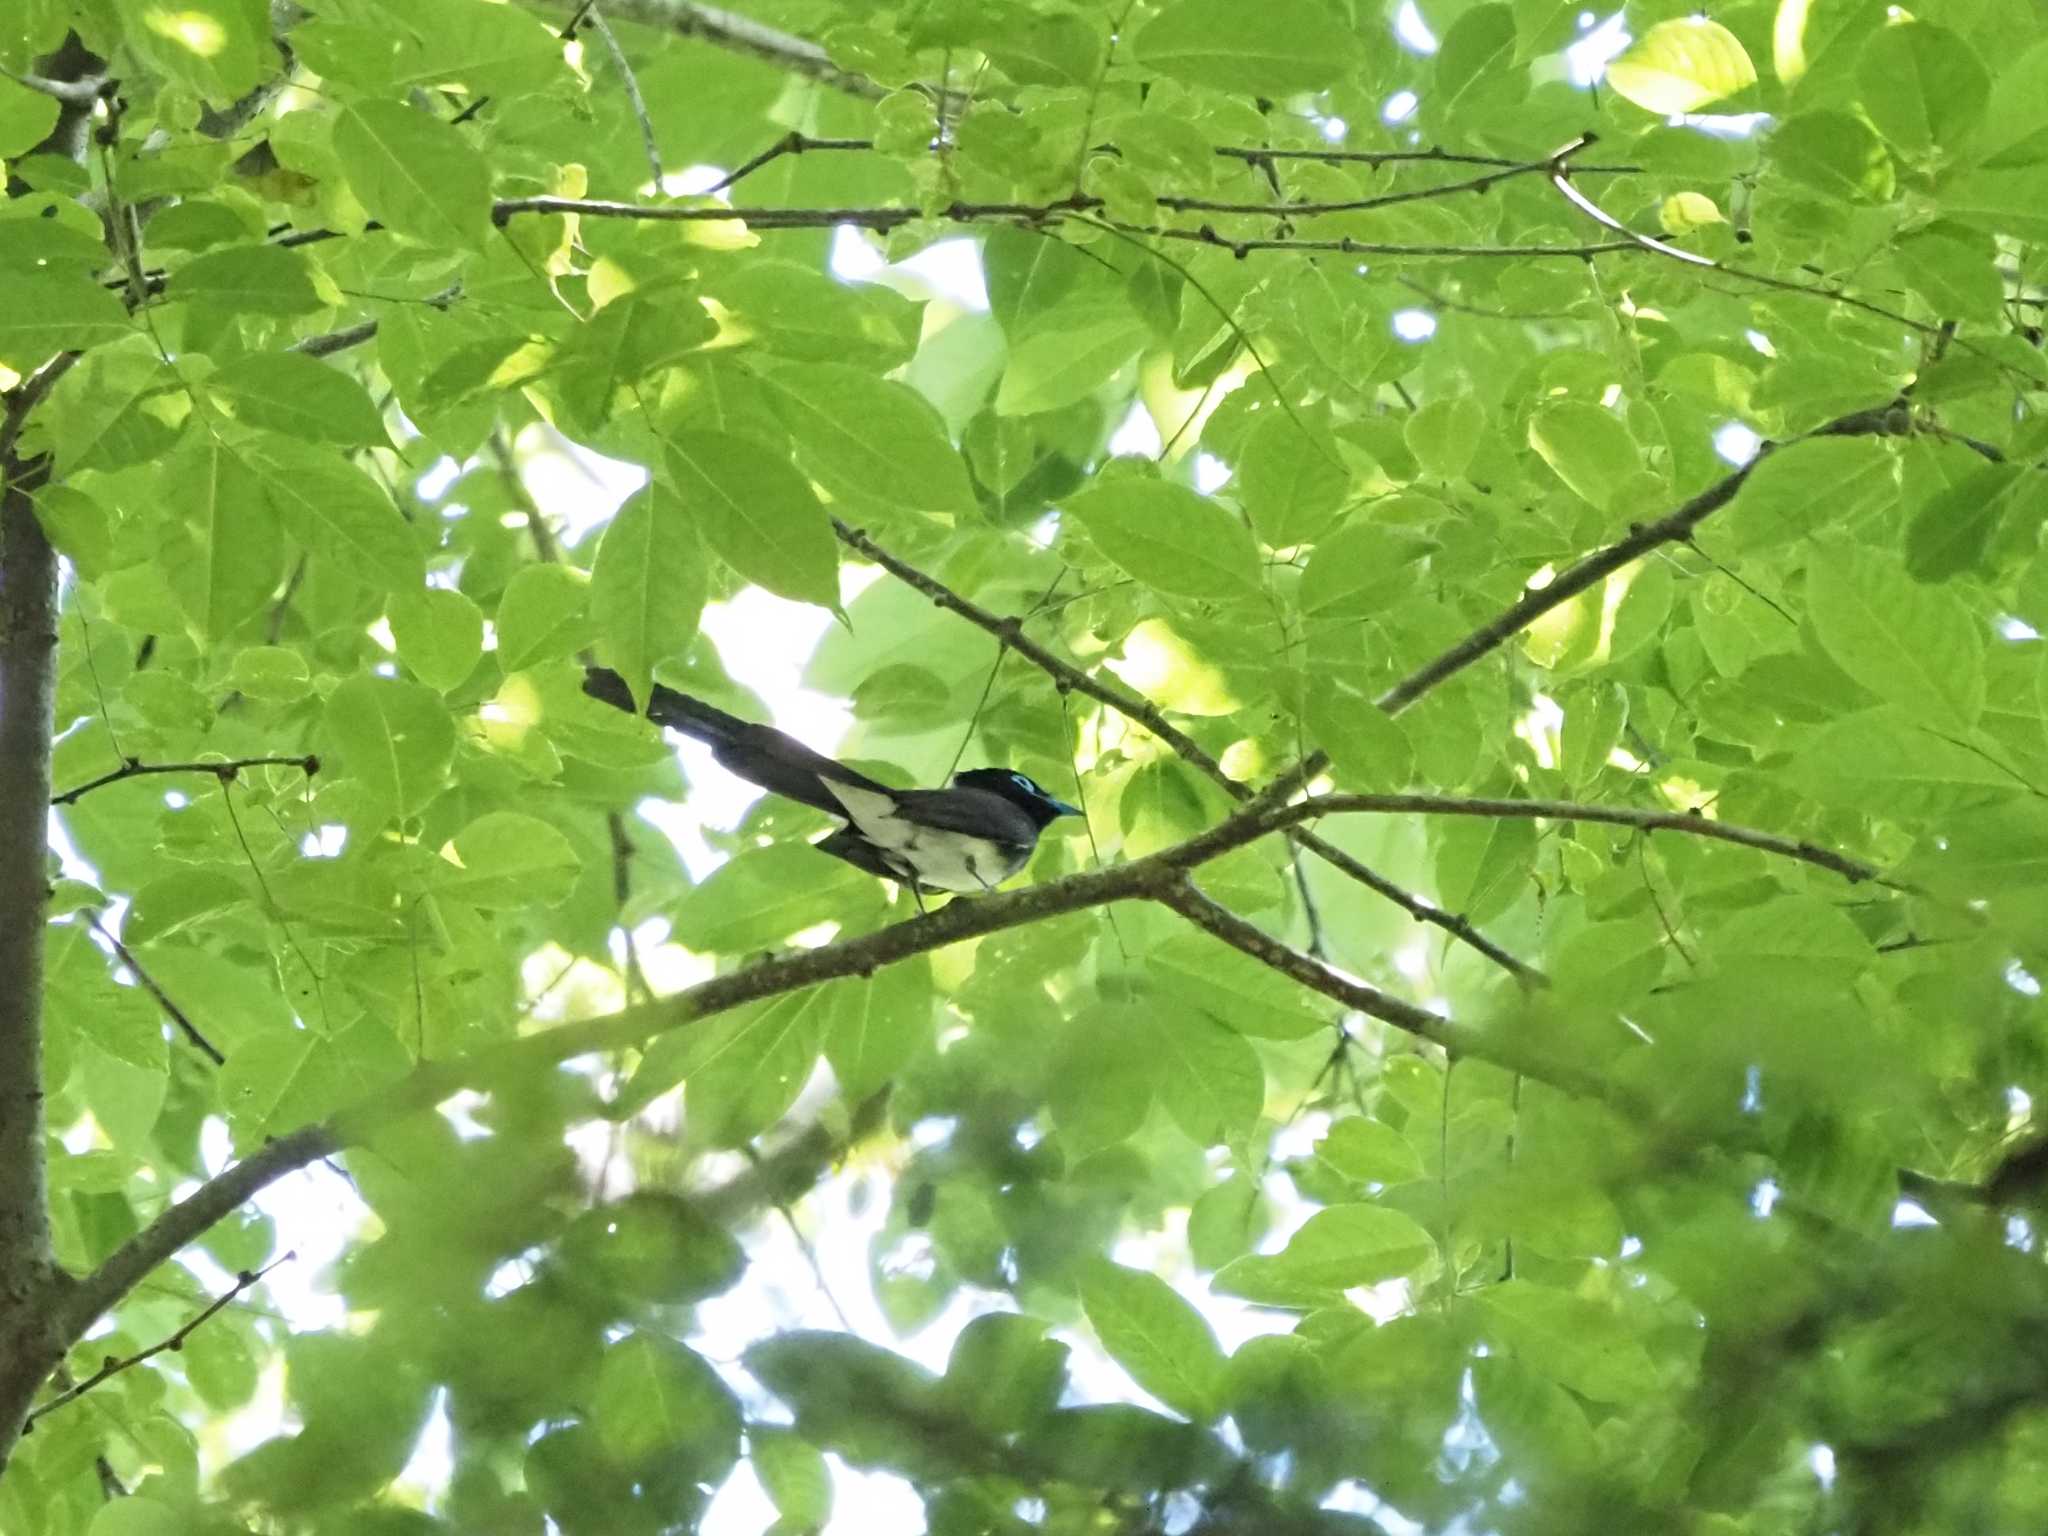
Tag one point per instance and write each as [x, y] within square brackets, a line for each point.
[633, 96]
[148, 984]
[29, 1275]
[114, 1365]
[1156, 877]
[226, 771]
[189, 1220]
[742, 34]
[1458, 1039]
[1135, 707]
[1675, 527]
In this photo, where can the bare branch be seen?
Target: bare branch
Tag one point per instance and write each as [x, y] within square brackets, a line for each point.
[633, 96]
[1673, 528]
[225, 771]
[1560, 179]
[1135, 707]
[742, 34]
[189, 1220]
[114, 1365]
[331, 342]
[1458, 1039]
[148, 984]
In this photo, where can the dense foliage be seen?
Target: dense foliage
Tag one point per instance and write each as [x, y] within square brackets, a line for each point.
[1616, 1115]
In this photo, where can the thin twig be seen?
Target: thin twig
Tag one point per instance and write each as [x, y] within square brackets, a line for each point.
[791, 143]
[114, 1365]
[633, 96]
[225, 771]
[148, 983]
[1135, 707]
[1561, 180]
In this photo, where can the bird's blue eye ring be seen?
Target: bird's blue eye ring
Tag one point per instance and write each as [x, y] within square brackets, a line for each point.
[1025, 784]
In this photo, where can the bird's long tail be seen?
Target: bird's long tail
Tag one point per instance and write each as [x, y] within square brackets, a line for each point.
[760, 754]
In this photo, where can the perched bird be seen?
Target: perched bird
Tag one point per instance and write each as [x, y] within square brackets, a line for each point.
[971, 837]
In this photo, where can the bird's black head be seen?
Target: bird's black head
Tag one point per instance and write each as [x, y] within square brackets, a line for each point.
[1021, 790]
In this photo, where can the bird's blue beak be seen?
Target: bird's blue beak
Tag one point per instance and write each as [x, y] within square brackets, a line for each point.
[1062, 807]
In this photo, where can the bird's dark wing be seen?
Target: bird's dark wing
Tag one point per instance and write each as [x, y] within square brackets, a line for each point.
[760, 754]
[856, 850]
[969, 812]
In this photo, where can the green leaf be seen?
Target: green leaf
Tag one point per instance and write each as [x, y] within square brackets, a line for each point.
[1951, 533]
[758, 514]
[299, 396]
[26, 118]
[1443, 433]
[251, 279]
[794, 1475]
[744, 1071]
[1027, 273]
[1805, 486]
[870, 439]
[1153, 1332]
[1588, 447]
[1889, 762]
[1233, 988]
[46, 314]
[1068, 356]
[1368, 1152]
[1170, 538]
[1907, 643]
[875, 1026]
[1923, 86]
[1361, 569]
[1369, 749]
[241, 542]
[414, 173]
[647, 585]
[1833, 153]
[1337, 1248]
[1578, 1343]
[440, 634]
[337, 512]
[654, 1399]
[1483, 866]
[215, 48]
[506, 860]
[394, 739]
[543, 614]
[1102, 1086]
[1792, 941]
[1272, 49]
[758, 898]
[1290, 481]
[1211, 1080]
[1681, 65]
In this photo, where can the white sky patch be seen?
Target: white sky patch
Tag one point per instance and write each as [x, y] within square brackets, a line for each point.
[692, 180]
[1586, 60]
[578, 488]
[1334, 129]
[949, 269]
[1399, 107]
[2011, 627]
[1412, 30]
[1414, 324]
[1138, 434]
[1822, 1459]
[1737, 443]
[1722, 125]
[1210, 473]
[433, 484]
